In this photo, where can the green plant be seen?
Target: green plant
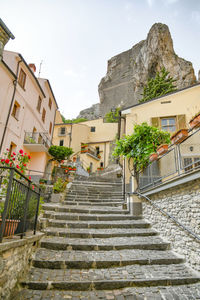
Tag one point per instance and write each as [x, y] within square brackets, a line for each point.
[112, 116]
[161, 85]
[73, 121]
[59, 186]
[60, 153]
[33, 205]
[138, 146]
[1, 208]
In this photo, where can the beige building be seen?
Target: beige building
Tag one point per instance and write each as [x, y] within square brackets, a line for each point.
[27, 113]
[170, 113]
[91, 141]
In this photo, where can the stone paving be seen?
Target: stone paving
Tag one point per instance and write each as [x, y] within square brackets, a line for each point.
[102, 252]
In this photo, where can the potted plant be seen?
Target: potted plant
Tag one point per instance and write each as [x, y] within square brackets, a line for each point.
[195, 121]
[99, 156]
[88, 169]
[162, 149]
[179, 136]
[153, 157]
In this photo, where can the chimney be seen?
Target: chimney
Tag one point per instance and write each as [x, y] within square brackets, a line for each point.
[32, 67]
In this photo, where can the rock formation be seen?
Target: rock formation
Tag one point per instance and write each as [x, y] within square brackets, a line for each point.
[90, 113]
[128, 72]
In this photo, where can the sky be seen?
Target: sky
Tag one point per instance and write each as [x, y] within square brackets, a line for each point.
[75, 38]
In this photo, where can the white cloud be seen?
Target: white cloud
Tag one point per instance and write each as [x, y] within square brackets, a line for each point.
[150, 2]
[195, 16]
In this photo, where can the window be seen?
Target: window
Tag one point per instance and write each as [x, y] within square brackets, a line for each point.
[39, 104]
[61, 143]
[22, 78]
[168, 124]
[50, 103]
[101, 164]
[50, 127]
[93, 129]
[97, 150]
[15, 111]
[62, 131]
[43, 115]
[191, 162]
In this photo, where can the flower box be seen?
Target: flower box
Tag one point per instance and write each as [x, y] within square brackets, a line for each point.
[195, 122]
[179, 136]
[162, 149]
[10, 227]
[153, 157]
[84, 151]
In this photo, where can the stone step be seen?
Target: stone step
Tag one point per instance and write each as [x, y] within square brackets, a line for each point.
[82, 209]
[115, 278]
[115, 243]
[96, 183]
[92, 196]
[94, 200]
[97, 233]
[126, 224]
[113, 204]
[52, 259]
[176, 292]
[86, 217]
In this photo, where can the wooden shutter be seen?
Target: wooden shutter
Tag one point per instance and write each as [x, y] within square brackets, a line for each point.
[155, 122]
[181, 121]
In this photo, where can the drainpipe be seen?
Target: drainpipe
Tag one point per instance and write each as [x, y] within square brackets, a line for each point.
[11, 104]
[70, 137]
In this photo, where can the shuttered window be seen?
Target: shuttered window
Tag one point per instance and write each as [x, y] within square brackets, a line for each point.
[169, 123]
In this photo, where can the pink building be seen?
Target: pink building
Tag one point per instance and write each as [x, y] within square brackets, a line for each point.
[27, 112]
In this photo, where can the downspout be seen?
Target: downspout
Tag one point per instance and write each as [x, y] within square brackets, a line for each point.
[11, 104]
[70, 137]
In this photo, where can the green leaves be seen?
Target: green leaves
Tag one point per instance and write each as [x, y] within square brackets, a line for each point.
[138, 146]
[60, 153]
[161, 85]
[112, 116]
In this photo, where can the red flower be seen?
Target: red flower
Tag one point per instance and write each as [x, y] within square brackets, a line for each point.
[25, 153]
[29, 157]
[17, 167]
[29, 177]
[7, 161]
[22, 171]
[11, 155]
[33, 187]
[21, 151]
[2, 160]
[24, 165]
[10, 164]
[13, 158]
[14, 153]
[8, 149]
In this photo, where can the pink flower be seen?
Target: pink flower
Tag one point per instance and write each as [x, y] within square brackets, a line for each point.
[14, 153]
[7, 161]
[8, 149]
[21, 151]
[33, 187]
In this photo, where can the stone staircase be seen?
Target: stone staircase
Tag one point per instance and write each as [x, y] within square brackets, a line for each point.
[94, 249]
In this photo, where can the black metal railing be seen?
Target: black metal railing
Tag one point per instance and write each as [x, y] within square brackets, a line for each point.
[37, 138]
[181, 159]
[19, 203]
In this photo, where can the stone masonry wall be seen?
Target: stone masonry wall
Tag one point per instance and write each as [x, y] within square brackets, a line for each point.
[182, 202]
[14, 262]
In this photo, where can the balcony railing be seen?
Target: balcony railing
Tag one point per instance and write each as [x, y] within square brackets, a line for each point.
[85, 148]
[37, 141]
[180, 160]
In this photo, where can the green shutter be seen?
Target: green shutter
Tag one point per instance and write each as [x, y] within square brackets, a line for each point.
[181, 121]
[155, 122]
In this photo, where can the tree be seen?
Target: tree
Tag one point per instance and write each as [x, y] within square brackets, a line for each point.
[74, 121]
[60, 153]
[138, 146]
[161, 85]
[112, 116]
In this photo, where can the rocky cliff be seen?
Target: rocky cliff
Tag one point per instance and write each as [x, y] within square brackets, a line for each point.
[127, 72]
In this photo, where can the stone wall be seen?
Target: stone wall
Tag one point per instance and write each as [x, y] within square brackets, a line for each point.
[182, 202]
[14, 262]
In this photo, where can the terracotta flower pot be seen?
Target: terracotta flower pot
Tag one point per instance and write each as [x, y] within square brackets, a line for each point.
[195, 122]
[162, 149]
[153, 156]
[179, 136]
[10, 227]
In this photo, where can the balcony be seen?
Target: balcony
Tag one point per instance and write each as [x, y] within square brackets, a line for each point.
[90, 151]
[37, 141]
